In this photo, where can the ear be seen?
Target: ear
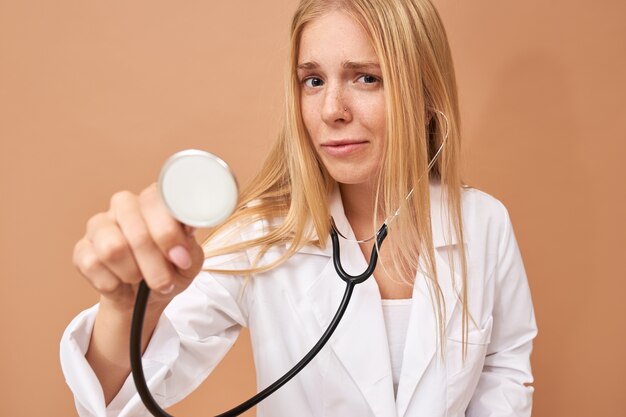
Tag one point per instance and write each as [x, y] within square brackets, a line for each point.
[429, 117]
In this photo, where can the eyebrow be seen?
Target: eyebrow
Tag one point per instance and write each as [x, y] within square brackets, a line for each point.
[346, 64]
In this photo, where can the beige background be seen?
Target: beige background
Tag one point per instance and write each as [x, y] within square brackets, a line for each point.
[95, 95]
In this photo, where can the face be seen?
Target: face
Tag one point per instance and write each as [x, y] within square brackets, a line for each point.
[342, 97]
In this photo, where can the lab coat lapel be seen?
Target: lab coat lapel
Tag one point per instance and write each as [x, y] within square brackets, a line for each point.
[421, 340]
[359, 341]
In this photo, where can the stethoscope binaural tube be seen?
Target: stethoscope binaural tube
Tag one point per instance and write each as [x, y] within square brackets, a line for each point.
[140, 310]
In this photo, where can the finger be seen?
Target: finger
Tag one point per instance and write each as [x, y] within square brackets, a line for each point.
[113, 250]
[169, 234]
[97, 274]
[190, 230]
[156, 270]
[95, 223]
[197, 260]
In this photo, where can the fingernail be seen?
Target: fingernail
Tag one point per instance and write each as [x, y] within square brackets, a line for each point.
[167, 290]
[180, 257]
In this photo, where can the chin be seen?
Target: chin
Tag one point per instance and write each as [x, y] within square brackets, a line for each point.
[352, 177]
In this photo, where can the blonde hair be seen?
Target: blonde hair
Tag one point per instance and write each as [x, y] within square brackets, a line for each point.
[293, 185]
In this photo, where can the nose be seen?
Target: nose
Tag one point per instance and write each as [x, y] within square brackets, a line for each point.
[335, 106]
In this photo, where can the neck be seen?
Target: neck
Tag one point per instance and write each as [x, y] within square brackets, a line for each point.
[358, 205]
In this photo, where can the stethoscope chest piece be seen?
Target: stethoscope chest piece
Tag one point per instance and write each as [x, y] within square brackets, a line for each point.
[198, 188]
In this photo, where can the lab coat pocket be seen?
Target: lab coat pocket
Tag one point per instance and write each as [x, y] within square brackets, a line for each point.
[463, 374]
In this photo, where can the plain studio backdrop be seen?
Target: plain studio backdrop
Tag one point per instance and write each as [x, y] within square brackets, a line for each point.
[94, 96]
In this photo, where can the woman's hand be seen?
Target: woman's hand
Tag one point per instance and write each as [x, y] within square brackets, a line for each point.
[137, 239]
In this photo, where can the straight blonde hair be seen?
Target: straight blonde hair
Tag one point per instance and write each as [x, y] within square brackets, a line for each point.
[294, 186]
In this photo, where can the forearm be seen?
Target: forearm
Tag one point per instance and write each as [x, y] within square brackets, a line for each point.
[108, 352]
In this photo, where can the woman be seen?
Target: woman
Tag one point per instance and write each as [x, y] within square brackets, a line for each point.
[444, 328]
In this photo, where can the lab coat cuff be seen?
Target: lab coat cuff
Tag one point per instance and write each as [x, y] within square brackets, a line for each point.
[79, 376]
[161, 352]
[157, 361]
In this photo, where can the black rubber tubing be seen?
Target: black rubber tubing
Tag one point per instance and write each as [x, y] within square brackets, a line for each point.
[139, 313]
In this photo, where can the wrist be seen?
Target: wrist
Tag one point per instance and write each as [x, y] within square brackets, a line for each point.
[125, 308]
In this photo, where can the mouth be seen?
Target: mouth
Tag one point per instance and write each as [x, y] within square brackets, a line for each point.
[343, 147]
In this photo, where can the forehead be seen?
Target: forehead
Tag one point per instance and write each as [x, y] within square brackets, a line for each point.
[335, 36]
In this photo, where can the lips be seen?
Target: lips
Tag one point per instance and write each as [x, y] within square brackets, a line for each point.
[343, 147]
[343, 142]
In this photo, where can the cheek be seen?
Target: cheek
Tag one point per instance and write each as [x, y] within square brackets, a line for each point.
[374, 116]
[308, 118]
[380, 117]
[377, 127]
[380, 125]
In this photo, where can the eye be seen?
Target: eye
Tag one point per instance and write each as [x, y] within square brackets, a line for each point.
[312, 82]
[368, 79]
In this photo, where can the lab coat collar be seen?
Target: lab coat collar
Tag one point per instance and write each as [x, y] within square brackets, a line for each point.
[357, 341]
[440, 227]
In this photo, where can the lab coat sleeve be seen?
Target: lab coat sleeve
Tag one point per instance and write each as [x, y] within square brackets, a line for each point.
[504, 386]
[194, 333]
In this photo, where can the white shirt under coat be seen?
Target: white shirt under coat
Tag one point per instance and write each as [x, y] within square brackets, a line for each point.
[289, 307]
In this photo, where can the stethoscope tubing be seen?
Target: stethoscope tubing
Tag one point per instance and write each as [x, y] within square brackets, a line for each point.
[139, 312]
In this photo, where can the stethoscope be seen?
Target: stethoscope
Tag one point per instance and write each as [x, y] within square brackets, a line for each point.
[200, 190]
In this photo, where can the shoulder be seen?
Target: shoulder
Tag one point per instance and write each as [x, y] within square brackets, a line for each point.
[486, 219]
[476, 202]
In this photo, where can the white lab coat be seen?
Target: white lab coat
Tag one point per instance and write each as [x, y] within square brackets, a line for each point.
[288, 308]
